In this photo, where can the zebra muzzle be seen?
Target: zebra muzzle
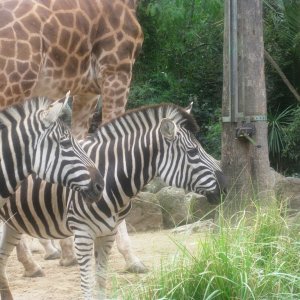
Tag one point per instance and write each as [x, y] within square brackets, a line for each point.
[95, 190]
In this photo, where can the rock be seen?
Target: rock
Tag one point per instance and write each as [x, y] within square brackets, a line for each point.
[175, 209]
[197, 227]
[154, 185]
[287, 190]
[145, 214]
[199, 207]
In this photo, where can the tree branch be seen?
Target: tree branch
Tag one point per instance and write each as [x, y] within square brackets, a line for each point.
[281, 74]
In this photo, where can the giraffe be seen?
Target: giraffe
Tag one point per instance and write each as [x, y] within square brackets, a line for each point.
[48, 47]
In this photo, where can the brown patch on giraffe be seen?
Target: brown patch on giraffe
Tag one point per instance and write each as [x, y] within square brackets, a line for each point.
[75, 39]
[10, 67]
[115, 85]
[72, 67]
[102, 27]
[120, 91]
[125, 50]
[51, 31]
[30, 76]
[64, 5]
[26, 86]
[23, 51]
[32, 23]
[120, 35]
[82, 23]
[64, 38]
[84, 64]
[11, 5]
[131, 27]
[83, 48]
[2, 63]
[3, 81]
[58, 56]
[6, 18]
[16, 89]
[14, 77]
[20, 32]
[35, 43]
[23, 8]
[114, 19]
[123, 78]
[58, 73]
[7, 33]
[8, 91]
[89, 8]
[109, 59]
[43, 12]
[22, 67]
[120, 102]
[108, 43]
[8, 48]
[66, 19]
[125, 67]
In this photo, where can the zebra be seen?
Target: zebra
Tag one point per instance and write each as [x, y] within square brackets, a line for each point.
[34, 140]
[130, 150]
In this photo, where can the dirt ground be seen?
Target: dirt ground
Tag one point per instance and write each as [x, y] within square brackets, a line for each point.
[63, 283]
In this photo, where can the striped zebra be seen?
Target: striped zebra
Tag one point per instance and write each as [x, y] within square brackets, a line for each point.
[34, 140]
[129, 151]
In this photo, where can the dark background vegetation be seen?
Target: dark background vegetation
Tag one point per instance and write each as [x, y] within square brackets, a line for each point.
[181, 61]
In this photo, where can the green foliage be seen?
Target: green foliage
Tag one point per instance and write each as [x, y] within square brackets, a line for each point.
[257, 258]
[276, 126]
[292, 146]
[181, 60]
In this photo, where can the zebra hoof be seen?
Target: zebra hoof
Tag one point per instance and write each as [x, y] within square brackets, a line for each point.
[52, 256]
[67, 262]
[38, 273]
[137, 268]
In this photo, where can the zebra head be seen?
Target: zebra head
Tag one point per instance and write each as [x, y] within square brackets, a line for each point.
[58, 158]
[186, 164]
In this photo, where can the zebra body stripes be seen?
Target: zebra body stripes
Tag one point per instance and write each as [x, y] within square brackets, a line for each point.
[129, 151]
[34, 140]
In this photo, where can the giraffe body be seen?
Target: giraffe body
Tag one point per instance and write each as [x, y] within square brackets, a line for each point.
[48, 47]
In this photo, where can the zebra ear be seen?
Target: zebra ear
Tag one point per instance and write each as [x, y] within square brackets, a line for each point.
[168, 128]
[188, 109]
[55, 110]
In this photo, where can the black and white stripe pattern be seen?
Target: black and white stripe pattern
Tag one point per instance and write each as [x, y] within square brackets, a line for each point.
[129, 151]
[34, 140]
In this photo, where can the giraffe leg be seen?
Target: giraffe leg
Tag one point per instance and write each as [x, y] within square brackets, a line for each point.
[84, 253]
[133, 263]
[102, 248]
[68, 257]
[10, 238]
[82, 111]
[114, 93]
[51, 252]
[32, 269]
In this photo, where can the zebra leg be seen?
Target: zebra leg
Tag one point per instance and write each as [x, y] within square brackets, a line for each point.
[32, 269]
[10, 238]
[133, 263]
[68, 257]
[51, 252]
[102, 248]
[84, 253]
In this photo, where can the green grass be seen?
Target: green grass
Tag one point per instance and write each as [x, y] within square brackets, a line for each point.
[257, 258]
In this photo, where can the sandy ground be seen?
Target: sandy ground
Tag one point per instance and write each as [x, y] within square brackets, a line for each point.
[63, 283]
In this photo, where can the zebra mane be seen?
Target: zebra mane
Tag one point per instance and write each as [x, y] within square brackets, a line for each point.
[166, 110]
[28, 106]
